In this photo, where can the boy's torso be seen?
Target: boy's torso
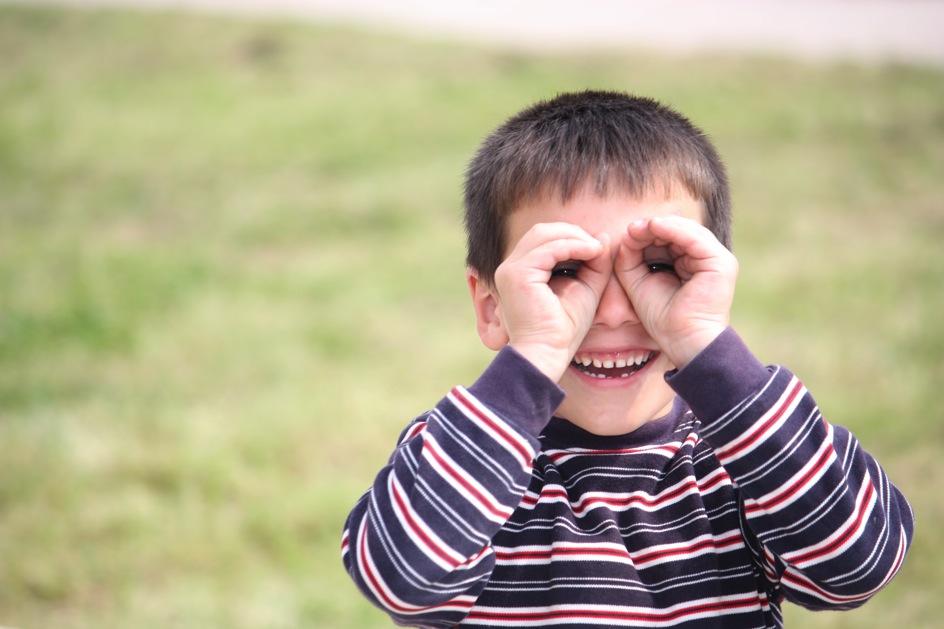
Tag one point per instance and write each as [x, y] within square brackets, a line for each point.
[639, 530]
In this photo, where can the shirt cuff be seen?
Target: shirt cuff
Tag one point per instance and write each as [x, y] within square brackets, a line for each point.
[719, 378]
[518, 392]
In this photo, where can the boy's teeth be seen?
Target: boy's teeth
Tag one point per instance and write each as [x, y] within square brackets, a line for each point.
[631, 360]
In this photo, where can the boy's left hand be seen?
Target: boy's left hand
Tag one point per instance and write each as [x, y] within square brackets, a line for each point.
[684, 309]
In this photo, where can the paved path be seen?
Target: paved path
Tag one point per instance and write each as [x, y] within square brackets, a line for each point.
[906, 30]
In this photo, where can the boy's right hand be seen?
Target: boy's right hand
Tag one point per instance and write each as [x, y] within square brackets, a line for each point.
[545, 305]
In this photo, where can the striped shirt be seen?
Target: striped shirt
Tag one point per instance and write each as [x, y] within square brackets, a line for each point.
[492, 513]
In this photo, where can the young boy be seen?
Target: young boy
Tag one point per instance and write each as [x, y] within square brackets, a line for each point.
[624, 461]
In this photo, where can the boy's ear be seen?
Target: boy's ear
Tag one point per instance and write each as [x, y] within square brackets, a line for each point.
[487, 311]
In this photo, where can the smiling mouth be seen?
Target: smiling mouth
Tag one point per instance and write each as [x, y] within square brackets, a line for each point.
[611, 366]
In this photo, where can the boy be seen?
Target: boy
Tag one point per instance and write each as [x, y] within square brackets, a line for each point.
[624, 460]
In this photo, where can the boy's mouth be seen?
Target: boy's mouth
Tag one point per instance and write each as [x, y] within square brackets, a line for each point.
[611, 366]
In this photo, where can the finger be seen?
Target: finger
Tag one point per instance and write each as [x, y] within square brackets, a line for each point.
[638, 235]
[630, 265]
[542, 233]
[596, 271]
[546, 256]
[630, 253]
[639, 282]
[603, 262]
[686, 237]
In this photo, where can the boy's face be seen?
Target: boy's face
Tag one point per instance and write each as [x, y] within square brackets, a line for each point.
[609, 406]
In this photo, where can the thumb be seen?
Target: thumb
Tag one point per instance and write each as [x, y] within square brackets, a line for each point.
[597, 271]
[630, 267]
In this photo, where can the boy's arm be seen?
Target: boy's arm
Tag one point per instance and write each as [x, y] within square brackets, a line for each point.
[833, 530]
[418, 543]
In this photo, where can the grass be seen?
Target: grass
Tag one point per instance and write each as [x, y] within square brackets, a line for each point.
[231, 270]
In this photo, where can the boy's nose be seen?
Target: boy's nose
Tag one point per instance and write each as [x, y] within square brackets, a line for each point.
[614, 308]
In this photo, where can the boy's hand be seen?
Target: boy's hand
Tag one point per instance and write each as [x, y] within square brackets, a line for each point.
[684, 303]
[548, 290]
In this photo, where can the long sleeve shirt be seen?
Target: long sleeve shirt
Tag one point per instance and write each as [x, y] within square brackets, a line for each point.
[491, 512]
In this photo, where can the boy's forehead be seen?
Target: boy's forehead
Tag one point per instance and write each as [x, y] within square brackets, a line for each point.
[608, 211]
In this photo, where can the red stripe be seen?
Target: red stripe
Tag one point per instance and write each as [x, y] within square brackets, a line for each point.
[724, 542]
[649, 502]
[669, 449]
[388, 602]
[550, 493]
[584, 505]
[510, 439]
[547, 554]
[708, 543]
[849, 532]
[376, 586]
[615, 615]
[468, 487]
[720, 478]
[793, 489]
[770, 422]
[419, 531]
[798, 579]
[415, 430]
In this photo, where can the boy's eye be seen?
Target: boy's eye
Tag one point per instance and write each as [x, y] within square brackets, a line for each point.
[566, 269]
[661, 267]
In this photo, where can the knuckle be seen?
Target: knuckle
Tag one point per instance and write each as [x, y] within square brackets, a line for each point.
[730, 263]
[501, 273]
[541, 229]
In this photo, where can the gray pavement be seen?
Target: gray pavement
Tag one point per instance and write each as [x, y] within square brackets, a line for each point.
[861, 30]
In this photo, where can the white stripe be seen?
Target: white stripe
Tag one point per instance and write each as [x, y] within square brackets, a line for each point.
[730, 416]
[788, 486]
[584, 614]
[841, 530]
[505, 441]
[707, 550]
[753, 432]
[394, 486]
[590, 500]
[366, 561]
[504, 512]
[412, 431]
[666, 450]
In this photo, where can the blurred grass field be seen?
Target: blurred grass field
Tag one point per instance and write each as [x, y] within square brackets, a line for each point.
[231, 270]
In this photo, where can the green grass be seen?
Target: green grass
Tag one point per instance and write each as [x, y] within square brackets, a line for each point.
[231, 270]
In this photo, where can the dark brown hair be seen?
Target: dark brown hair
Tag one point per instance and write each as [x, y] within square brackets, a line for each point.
[604, 139]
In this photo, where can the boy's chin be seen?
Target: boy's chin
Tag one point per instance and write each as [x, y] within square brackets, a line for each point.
[611, 409]
[616, 421]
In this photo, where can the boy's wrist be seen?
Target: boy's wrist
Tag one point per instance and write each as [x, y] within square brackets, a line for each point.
[549, 361]
[514, 388]
[721, 376]
[683, 349]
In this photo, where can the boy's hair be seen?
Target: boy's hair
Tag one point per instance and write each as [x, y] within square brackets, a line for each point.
[607, 139]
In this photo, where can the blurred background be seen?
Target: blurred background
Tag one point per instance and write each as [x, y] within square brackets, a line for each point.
[231, 266]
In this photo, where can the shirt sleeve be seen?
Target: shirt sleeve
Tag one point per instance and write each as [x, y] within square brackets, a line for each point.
[418, 543]
[832, 529]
